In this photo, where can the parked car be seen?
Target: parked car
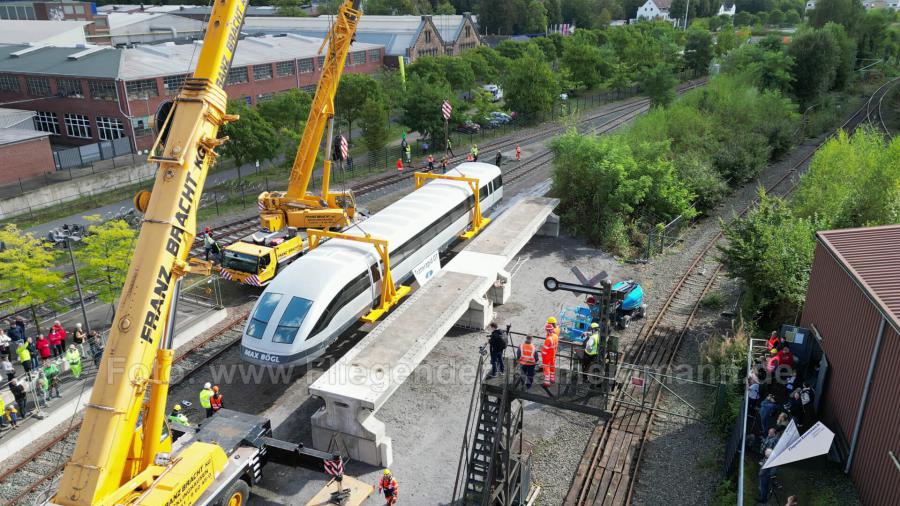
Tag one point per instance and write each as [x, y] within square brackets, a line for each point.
[469, 127]
[501, 117]
[495, 91]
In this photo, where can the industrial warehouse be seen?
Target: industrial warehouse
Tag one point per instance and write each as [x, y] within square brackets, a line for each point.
[425, 253]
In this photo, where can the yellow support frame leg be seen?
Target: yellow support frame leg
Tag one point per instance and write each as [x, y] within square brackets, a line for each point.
[390, 294]
[478, 220]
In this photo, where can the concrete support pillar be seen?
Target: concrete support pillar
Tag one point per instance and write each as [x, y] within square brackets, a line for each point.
[479, 314]
[347, 428]
[550, 228]
[500, 292]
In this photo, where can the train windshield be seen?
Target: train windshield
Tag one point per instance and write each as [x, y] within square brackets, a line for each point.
[240, 262]
[291, 320]
[264, 309]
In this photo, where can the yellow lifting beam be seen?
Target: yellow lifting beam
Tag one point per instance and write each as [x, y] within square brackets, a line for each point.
[390, 295]
[478, 221]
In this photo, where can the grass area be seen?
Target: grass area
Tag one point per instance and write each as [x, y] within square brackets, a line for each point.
[713, 300]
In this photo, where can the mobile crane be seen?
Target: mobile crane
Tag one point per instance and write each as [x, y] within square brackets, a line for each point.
[257, 258]
[125, 454]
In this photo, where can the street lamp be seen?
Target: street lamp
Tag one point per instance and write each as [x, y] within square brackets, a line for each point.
[87, 324]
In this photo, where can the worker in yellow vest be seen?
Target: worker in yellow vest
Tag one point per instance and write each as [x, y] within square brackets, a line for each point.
[176, 416]
[591, 349]
[528, 360]
[548, 353]
[205, 394]
[73, 357]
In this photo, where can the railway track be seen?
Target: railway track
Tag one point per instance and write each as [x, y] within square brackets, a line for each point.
[29, 482]
[874, 106]
[607, 471]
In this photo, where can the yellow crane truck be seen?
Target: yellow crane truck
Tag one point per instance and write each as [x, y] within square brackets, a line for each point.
[125, 453]
[256, 259]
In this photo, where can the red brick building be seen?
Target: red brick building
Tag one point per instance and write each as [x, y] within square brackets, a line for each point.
[24, 154]
[85, 95]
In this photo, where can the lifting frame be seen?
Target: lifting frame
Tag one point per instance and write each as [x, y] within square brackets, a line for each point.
[478, 221]
[390, 295]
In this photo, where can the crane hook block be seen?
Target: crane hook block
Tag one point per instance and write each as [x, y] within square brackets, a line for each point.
[141, 201]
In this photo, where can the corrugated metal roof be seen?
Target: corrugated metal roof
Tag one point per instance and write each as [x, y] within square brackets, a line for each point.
[14, 118]
[872, 258]
[23, 31]
[14, 135]
[55, 61]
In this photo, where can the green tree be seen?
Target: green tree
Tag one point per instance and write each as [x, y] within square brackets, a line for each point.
[422, 109]
[771, 251]
[251, 137]
[289, 109]
[658, 83]
[536, 20]
[26, 269]
[846, 58]
[374, 121]
[445, 8]
[766, 69]
[791, 18]
[529, 86]
[352, 93]
[106, 256]
[458, 73]
[815, 54]
[726, 40]
[776, 18]
[742, 18]
[843, 12]
[588, 65]
[698, 50]
[290, 8]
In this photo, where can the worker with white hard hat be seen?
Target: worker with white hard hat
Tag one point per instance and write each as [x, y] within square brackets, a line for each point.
[205, 394]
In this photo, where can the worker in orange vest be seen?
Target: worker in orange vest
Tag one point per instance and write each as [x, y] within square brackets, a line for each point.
[548, 353]
[528, 360]
[389, 487]
[400, 164]
[215, 400]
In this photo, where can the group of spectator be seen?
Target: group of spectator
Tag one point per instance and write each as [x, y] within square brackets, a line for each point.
[777, 396]
[42, 358]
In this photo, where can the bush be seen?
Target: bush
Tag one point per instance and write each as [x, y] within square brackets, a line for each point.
[743, 159]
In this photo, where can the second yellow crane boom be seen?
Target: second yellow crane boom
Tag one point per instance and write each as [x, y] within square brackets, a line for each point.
[295, 207]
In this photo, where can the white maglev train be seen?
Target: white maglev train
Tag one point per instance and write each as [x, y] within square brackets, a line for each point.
[320, 295]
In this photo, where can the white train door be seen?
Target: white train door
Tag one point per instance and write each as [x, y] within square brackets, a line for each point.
[375, 282]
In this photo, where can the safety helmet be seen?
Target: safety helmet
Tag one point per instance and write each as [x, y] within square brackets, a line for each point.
[551, 320]
[71, 346]
[773, 351]
[215, 388]
[548, 326]
[595, 325]
[207, 385]
[387, 472]
[177, 407]
[591, 300]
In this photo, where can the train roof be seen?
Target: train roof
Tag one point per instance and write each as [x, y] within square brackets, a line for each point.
[397, 223]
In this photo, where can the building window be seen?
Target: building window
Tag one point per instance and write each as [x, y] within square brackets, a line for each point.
[9, 83]
[141, 125]
[311, 89]
[427, 36]
[145, 88]
[286, 68]
[264, 97]
[69, 88]
[262, 72]
[306, 66]
[110, 128]
[46, 122]
[320, 61]
[38, 86]
[237, 76]
[374, 55]
[173, 84]
[102, 90]
[358, 58]
[78, 125]
[468, 31]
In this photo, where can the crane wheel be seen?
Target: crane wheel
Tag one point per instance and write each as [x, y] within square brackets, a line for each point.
[237, 495]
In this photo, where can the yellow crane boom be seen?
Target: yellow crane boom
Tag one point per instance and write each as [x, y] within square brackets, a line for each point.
[295, 207]
[111, 451]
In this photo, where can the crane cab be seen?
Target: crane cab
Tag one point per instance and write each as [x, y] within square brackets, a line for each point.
[256, 259]
[277, 212]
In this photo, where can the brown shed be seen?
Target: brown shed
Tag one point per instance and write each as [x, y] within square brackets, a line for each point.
[853, 308]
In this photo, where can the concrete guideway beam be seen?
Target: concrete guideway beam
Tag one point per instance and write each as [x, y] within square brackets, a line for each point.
[463, 293]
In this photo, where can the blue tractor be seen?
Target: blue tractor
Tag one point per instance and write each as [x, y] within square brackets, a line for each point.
[629, 302]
